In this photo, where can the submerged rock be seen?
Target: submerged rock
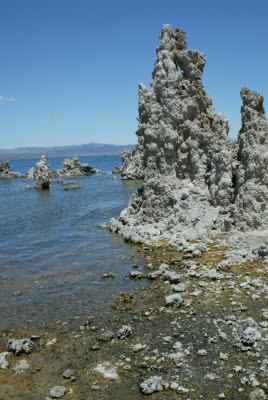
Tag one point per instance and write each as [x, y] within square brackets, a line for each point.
[74, 187]
[196, 181]
[6, 170]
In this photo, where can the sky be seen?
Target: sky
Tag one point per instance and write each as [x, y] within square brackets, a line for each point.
[70, 68]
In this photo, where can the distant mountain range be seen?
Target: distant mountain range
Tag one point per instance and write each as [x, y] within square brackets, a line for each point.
[90, 149]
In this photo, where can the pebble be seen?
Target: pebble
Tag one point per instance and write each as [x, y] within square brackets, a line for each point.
[57, 392]
[202, 352]
[51, 342]
[68, 373]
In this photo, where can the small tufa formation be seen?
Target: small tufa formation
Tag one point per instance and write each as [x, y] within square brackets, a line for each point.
[19, 346]
[41, 174]
[72, 168]
[196, 181]
[6, 170]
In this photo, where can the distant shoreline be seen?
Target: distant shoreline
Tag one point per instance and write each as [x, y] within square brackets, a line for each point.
[38, 155]
[83, 150]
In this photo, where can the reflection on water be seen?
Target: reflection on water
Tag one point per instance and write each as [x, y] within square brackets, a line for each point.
[51, 249]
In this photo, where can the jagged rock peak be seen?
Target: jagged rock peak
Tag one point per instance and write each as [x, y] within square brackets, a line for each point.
[183, 150]
[196, 182]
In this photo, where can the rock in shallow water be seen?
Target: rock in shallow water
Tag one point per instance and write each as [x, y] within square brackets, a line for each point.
[6, 170]
[72, 168]
[41, 174]
[19, 346]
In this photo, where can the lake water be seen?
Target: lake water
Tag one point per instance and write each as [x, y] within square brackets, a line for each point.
[52, 251]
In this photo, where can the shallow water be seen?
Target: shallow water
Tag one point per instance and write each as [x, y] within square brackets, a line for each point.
[52, 251]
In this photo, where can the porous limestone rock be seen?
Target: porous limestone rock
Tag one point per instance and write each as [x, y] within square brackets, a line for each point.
[72, 167]
[124, 332]
[184, 150]
[132, 163]
[251, 176]
[4, 364]
[19, 346]
[6, 170]
[151, 385]
[41, 174]
[196, 181]
[30, 174]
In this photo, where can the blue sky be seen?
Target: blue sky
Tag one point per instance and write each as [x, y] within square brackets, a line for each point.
[70, 69]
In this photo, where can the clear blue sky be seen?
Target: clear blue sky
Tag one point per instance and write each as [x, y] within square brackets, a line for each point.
[70, 69]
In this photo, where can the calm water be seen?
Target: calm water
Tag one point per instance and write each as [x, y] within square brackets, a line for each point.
[51, 249]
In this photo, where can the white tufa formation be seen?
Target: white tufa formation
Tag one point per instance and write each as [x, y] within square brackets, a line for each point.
[41, 174]
[194, 183]
[6, 170]
[251, 177]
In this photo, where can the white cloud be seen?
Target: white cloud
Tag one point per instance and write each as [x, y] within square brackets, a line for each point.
[3, 98]
[50, 117]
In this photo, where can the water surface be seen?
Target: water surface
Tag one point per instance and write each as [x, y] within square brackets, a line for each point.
[51, 249]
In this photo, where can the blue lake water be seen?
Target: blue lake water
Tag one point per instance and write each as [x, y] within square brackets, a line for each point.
[51, 249]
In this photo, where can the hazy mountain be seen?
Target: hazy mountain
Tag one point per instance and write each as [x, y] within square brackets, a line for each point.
[90, 149]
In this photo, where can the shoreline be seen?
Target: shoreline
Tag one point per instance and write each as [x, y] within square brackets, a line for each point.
[193, 346]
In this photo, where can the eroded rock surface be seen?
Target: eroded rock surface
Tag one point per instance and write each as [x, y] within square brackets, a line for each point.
[41, 174]
[196, 181]
[19, 346]
[72, 167]
[251, 177]
[6, 170]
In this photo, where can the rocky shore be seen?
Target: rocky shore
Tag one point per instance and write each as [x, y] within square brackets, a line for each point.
[198, 329]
